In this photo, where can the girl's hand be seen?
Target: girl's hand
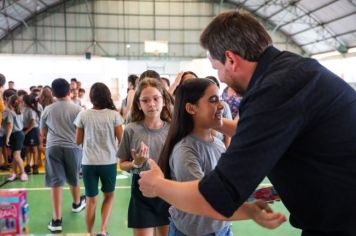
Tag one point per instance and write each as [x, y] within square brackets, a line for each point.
[141, 156]
[263, 215]
[176, 82]
[178, 78]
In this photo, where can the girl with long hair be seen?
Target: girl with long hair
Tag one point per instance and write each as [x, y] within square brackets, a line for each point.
[151, 115]
[46, 97]
[191, 151]
[99, 130]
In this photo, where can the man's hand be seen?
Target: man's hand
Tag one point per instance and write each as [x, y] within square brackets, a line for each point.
[263, 215]
[150, 179]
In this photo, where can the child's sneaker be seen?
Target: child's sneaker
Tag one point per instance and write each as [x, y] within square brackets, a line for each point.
[5, 167]
[35, 169]
[23, 177]
[11, 177]
[80, 206]
[101, 234]
[55, 226]
[28, 169]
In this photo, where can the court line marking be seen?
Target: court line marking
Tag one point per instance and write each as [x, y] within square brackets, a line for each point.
[65, 188]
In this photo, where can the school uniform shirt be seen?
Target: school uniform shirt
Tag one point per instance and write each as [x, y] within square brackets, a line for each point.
[16, 120]
[99, 145]
[191, 159]
[28, 115]
[58, 119]
[135, 133]
[77, 101]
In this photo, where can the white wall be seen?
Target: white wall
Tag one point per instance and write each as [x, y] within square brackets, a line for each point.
[345, 68]
[26, 70]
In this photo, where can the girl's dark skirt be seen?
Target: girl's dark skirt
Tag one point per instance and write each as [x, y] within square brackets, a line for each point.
[146, 212]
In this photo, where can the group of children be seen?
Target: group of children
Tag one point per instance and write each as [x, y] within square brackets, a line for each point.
[19, 129]
[182, 142]
[19, 132]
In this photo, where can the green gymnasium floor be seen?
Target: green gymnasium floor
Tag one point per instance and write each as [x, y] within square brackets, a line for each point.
[40, 211]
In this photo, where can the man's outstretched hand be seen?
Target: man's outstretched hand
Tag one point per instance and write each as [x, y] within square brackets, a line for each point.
[263, 215]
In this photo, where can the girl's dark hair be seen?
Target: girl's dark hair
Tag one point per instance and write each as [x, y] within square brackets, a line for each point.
[182, 81]
[182, 123]
[188, 73]
[7, 94]
[167, 81]
[15, 103]
[149, 74]
[100, 96]
[166, 113]
[31, 102]
[46, 97]
[214, 79]
[132, 79]
[48, 87]
[21, 93]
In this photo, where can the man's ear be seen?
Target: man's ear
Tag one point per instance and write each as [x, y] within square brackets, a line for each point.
[190, 108]
[232, 60]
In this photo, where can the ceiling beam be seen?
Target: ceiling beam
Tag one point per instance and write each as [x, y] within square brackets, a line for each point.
[283, 8]
[23, 7]
[266, 3]
[11, 17]
[323, 24]
[308, 13]
[330, 37]
[43, 3]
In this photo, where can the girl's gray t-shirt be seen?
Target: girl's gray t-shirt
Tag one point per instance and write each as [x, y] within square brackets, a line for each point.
[99, 144]
[16, 120]
[137, 132]
[28, 115]
[191, 159]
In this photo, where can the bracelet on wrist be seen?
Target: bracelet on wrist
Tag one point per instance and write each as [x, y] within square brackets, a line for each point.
[136, 166]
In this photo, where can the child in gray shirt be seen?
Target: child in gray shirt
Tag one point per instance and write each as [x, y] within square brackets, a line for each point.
[192, 151]
[15, 136]
[151, 115]
[63, 155]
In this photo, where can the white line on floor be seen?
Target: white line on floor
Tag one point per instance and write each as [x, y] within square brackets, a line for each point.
[66, 188]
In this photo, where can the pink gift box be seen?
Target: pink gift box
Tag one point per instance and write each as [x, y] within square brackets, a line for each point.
[14, 215]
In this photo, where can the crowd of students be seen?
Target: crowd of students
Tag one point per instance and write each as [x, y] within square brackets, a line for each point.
[74, 138]
[287, 131]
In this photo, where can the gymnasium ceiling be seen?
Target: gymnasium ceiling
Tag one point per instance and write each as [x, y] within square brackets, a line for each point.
[316, 26]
